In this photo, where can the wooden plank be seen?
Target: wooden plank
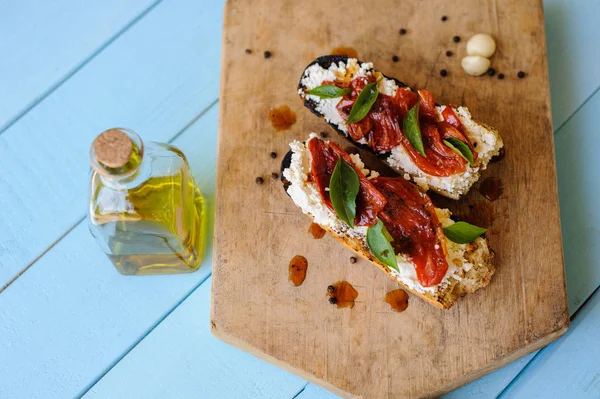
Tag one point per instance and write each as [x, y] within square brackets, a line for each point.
[45, 41]
[191, 363]
[571, 31]
[154, 79]
[525, 306]
[567, 368]
[71, 317]
[487, 387]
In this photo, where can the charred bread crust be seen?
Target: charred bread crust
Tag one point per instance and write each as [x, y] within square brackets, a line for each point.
[478, 253]
[325, 62]
[476, 278]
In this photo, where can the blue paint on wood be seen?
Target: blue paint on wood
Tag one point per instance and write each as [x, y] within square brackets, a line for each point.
[567, 368]
[314, 392]
[181, 359]
[43, 42]
[577, 148]
[572, 37]
[67, 320]
[155, 79]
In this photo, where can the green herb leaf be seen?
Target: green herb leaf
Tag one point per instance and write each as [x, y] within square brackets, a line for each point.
[412, 130]
[461, 148]
[364, 102]
[463, 232]
[329, 91]
[343, 189]
[380, 246]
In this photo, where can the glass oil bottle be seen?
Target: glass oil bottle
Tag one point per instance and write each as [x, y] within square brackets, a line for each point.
[146, 211]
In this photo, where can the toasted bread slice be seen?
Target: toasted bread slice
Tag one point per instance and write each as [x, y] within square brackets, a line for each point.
[485, 139]
[470, 265]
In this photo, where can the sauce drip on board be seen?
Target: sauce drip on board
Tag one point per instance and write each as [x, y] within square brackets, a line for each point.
[410, 218]
[282, 118]
[344, 294]
[317, 231]
[491, 188]
[297, 270]
[369, 201]
[347, 51]
[383, 127]
[397, 299]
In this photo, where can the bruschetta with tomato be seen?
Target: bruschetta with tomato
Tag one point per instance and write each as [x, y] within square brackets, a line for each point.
[438, 147]
[389, 221]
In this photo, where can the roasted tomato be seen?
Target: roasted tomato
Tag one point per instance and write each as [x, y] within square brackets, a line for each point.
[410, 218]
[369, 201]
[382, 127]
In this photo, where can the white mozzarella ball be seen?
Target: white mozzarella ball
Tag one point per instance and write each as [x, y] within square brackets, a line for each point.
[475, 65]
[481, 44]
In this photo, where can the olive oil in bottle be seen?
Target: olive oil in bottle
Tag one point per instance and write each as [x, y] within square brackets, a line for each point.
[146, 211]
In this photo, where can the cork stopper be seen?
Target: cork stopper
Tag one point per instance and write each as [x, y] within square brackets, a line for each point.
[113, 148]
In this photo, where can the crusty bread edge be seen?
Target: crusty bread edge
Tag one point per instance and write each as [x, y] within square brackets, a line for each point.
[325, 62]
[450, 294]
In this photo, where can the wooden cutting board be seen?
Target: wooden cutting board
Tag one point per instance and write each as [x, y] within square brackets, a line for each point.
[370, 351]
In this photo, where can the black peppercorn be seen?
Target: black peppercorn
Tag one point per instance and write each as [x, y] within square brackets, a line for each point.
[500, 76]
[274, 176]
[259, 180]
[449, 53]
[248, 51]
[521, 75]
[273, 155]
[443, 73]
[444, 18]
[267, 54]
[353, 259]
[333, 300]
[491, 72]
[395, 58]
[403, 31]
[323, 134]
[330, 289]
[456, 39]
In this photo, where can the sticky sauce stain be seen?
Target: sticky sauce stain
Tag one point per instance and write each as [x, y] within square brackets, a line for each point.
[317, 231]
[347, 51]
[491, 188]
[397, 299]
[297, 270]
[282, 118]
[342, 294]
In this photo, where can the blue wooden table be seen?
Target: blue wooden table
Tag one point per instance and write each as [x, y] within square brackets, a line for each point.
[71, 326]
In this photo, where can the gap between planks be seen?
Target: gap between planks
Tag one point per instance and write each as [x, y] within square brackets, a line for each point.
[53, 87]
[526, 367]
[44, 252]
[137, 342]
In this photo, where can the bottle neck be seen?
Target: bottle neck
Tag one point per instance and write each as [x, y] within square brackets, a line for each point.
[117, 156]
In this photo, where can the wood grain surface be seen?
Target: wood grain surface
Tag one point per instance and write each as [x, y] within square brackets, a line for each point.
[370, 351]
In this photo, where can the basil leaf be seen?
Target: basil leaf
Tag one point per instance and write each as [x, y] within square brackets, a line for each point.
[343, 189]
[364, 102]
[412, 130]
[461, 148]
[463, 232]
[380, 246]
[329, 91]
